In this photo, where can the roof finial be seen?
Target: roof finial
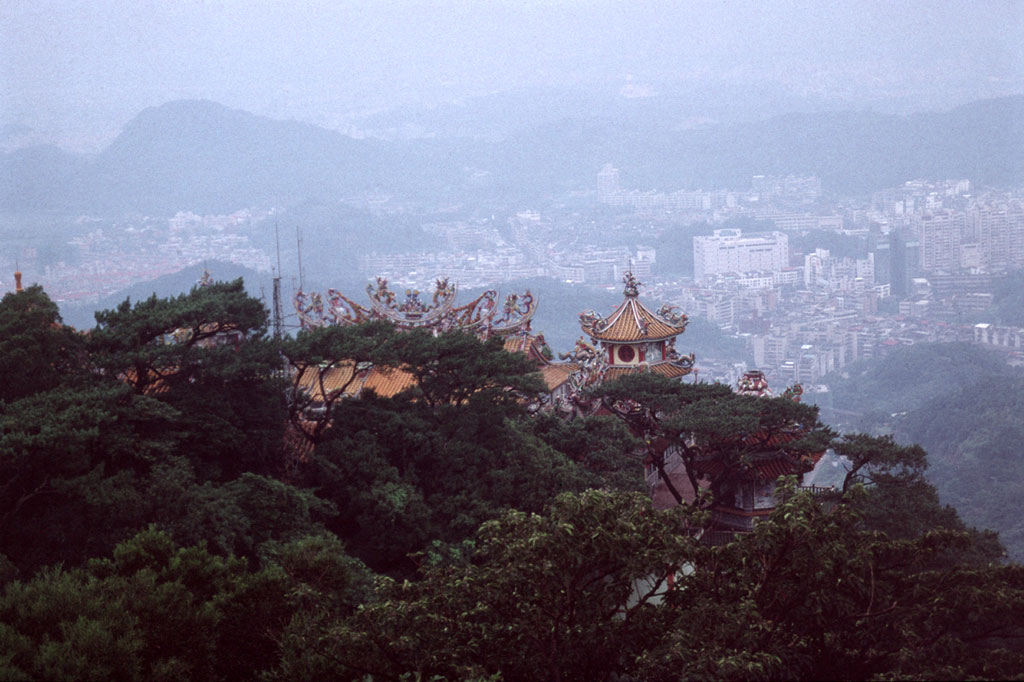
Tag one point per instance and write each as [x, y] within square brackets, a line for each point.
[632, 289]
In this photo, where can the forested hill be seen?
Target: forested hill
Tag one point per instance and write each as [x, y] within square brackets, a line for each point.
[963, 404]
[174, 506]
[199, 155]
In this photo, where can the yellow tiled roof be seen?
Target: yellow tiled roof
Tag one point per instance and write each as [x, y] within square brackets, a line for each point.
[517, 343]
[665, 369]
[334, 379]
[670, 370]
[388, 382]
[556, 374]
[613, 373]
[532, 346]
[632, 321]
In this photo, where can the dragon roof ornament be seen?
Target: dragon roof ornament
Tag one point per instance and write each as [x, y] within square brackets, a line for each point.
[632, 288]
[753, 382]
[632, 321]
[481, 316]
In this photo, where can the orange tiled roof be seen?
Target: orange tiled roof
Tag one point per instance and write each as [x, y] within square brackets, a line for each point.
[155, 384]
[557, 374]
[334, 379]
[296, 443]
[631, 321]
[767, 469]
[518, 343]
[665, 369]
[670, 370]
[525, 343]
[388, 382]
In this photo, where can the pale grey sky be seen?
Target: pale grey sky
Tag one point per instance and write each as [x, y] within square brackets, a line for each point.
[75, 71]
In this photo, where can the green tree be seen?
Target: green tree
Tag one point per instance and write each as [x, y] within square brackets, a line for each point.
[604, 587]
[71, 460]
[435, 461]
[456, 369]
[36, 352]
[715, 432]
[206, 354]
[314, 353]
[563, 596]
[154, 611]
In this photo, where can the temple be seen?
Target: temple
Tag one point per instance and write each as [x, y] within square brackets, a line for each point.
[483, 316]
[630, 339]
[751, 492]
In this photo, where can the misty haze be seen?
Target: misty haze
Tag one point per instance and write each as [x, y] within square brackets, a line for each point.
[511, 340]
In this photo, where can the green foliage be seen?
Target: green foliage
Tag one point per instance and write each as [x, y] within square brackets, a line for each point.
[601, 446]
[974, 436]
[911, 376]
[1008, 300]
[70, 461]
[961, 403]
[457, 369]
[154, 611]
[205, 354]
[559, 596]
[709, 423]
[603, 587]
[36, 352]
[144, 430]
[403, 473]
[455, 449]
[325, 585]
[167, 459]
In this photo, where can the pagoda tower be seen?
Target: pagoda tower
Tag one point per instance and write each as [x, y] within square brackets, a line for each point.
[634, 339]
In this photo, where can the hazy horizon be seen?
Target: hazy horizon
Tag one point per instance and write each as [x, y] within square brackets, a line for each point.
[75, 72]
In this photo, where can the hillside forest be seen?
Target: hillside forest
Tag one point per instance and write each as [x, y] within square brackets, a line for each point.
[962, 403]
[166, 513]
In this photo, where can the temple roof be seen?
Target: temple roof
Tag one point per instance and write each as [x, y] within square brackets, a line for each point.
[557, 374]
[386, 382]
[529, 344]
[484, 315]
[669, 369]
[632, 321]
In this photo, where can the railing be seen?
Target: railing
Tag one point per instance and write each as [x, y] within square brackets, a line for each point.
[817, 490]
[719, 537]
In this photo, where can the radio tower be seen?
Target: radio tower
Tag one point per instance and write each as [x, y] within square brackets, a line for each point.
[278, 317]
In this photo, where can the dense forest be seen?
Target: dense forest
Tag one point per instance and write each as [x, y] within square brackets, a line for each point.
[962, 403]
[173, 507]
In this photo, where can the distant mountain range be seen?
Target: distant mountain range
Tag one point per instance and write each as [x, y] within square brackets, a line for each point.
[198, 155]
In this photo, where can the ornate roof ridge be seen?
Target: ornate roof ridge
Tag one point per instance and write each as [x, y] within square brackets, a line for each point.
[647, 325]
[483, 315]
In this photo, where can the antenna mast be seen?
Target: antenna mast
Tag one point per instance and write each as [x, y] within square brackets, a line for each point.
[278, 317]
[298, 242]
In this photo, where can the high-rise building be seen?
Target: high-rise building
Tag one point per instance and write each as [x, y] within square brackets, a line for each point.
[939, 233]
[607, 183]
[880, 246]
[1000, 233]
[906, 260]
[730, 251]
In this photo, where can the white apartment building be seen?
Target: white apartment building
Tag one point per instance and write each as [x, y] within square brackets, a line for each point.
[939, 233]
[730, 251]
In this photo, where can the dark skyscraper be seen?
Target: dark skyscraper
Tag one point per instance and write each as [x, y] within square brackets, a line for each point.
[906, 260]
[881, 246]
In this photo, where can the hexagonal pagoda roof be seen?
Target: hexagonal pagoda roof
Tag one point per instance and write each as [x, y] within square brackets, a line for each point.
[632, 321]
